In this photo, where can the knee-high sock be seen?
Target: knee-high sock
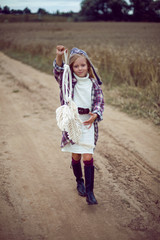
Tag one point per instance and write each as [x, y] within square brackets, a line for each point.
[75, 162]
[88, 163]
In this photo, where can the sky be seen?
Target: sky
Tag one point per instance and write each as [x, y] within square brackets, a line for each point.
[49, 5]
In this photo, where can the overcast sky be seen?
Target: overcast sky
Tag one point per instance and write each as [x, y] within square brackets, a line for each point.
[49, 5]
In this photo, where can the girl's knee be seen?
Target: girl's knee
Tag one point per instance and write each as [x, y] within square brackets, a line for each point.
[87, 157]
[76, 156]
[88, 160]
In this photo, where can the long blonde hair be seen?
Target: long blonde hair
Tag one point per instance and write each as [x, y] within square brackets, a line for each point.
[73, 58]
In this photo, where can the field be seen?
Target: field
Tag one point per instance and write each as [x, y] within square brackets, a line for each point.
[127, 56]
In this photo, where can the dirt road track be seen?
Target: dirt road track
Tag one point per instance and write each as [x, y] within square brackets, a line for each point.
[38, 198]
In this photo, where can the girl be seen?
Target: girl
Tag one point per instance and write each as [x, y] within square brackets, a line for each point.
[88, 97]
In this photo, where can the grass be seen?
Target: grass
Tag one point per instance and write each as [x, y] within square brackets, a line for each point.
[126, 54]
[134, 101]
[37, 61]
[5, 18]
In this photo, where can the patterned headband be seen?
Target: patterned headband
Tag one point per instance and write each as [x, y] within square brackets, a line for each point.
[80, 51]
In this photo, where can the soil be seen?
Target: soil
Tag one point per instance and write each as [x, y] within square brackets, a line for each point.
[38, 196]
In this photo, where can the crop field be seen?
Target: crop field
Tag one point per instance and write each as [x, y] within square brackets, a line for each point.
[127, 56]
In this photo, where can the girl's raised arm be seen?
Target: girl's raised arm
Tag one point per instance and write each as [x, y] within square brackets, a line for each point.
[59, 54]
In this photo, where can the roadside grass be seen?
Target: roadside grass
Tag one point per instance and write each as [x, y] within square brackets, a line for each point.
[128, 59]
[134, 101]
[37, 61]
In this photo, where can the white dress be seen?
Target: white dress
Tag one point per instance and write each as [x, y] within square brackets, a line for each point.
[82, 98]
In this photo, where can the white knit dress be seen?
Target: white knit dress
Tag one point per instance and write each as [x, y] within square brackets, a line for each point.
[82, 98]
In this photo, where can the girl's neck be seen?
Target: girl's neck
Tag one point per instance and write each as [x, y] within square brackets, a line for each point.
[81, 78]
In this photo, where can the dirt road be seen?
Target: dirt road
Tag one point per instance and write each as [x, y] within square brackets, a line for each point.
[38, 198]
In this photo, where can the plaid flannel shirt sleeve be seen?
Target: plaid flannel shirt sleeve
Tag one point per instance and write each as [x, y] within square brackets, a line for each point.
[58, 72]
[98, 102]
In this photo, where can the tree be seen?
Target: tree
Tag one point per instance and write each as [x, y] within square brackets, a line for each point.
[145, 10]
[154, 11]
[41, 11]
[95, 9]
[6, 10]
[119, 9]
[16, 11]
[27, 11]
[58, 13]
[104, 9]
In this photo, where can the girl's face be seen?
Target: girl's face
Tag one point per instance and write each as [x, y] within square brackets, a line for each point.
[80, 67]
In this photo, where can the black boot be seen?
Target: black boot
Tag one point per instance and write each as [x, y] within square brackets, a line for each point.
[89, 179]
[77, 170]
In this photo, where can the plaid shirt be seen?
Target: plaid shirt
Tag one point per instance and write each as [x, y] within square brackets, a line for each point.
[97, 101]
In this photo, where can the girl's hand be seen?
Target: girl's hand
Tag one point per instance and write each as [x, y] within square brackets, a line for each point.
[60, 50]
[91, 119]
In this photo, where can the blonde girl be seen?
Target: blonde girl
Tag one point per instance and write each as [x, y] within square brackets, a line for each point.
[88, 97]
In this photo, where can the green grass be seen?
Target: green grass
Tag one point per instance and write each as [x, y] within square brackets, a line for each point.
[134, 101]
[5, 18]
[36, 61]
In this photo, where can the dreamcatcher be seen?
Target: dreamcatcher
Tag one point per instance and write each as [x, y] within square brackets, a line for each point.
[67, 115]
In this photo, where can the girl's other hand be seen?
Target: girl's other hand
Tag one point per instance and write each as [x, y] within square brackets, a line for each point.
[91, 119]
[60, 50]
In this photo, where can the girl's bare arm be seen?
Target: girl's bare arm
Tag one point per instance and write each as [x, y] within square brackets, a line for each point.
[59, 54]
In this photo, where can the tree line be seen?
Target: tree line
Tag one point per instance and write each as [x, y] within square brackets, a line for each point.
[41, 11]
[121, 10]
[105, 10]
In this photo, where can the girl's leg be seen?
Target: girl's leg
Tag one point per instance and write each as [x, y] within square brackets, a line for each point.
[89, 178]
[77, 170]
